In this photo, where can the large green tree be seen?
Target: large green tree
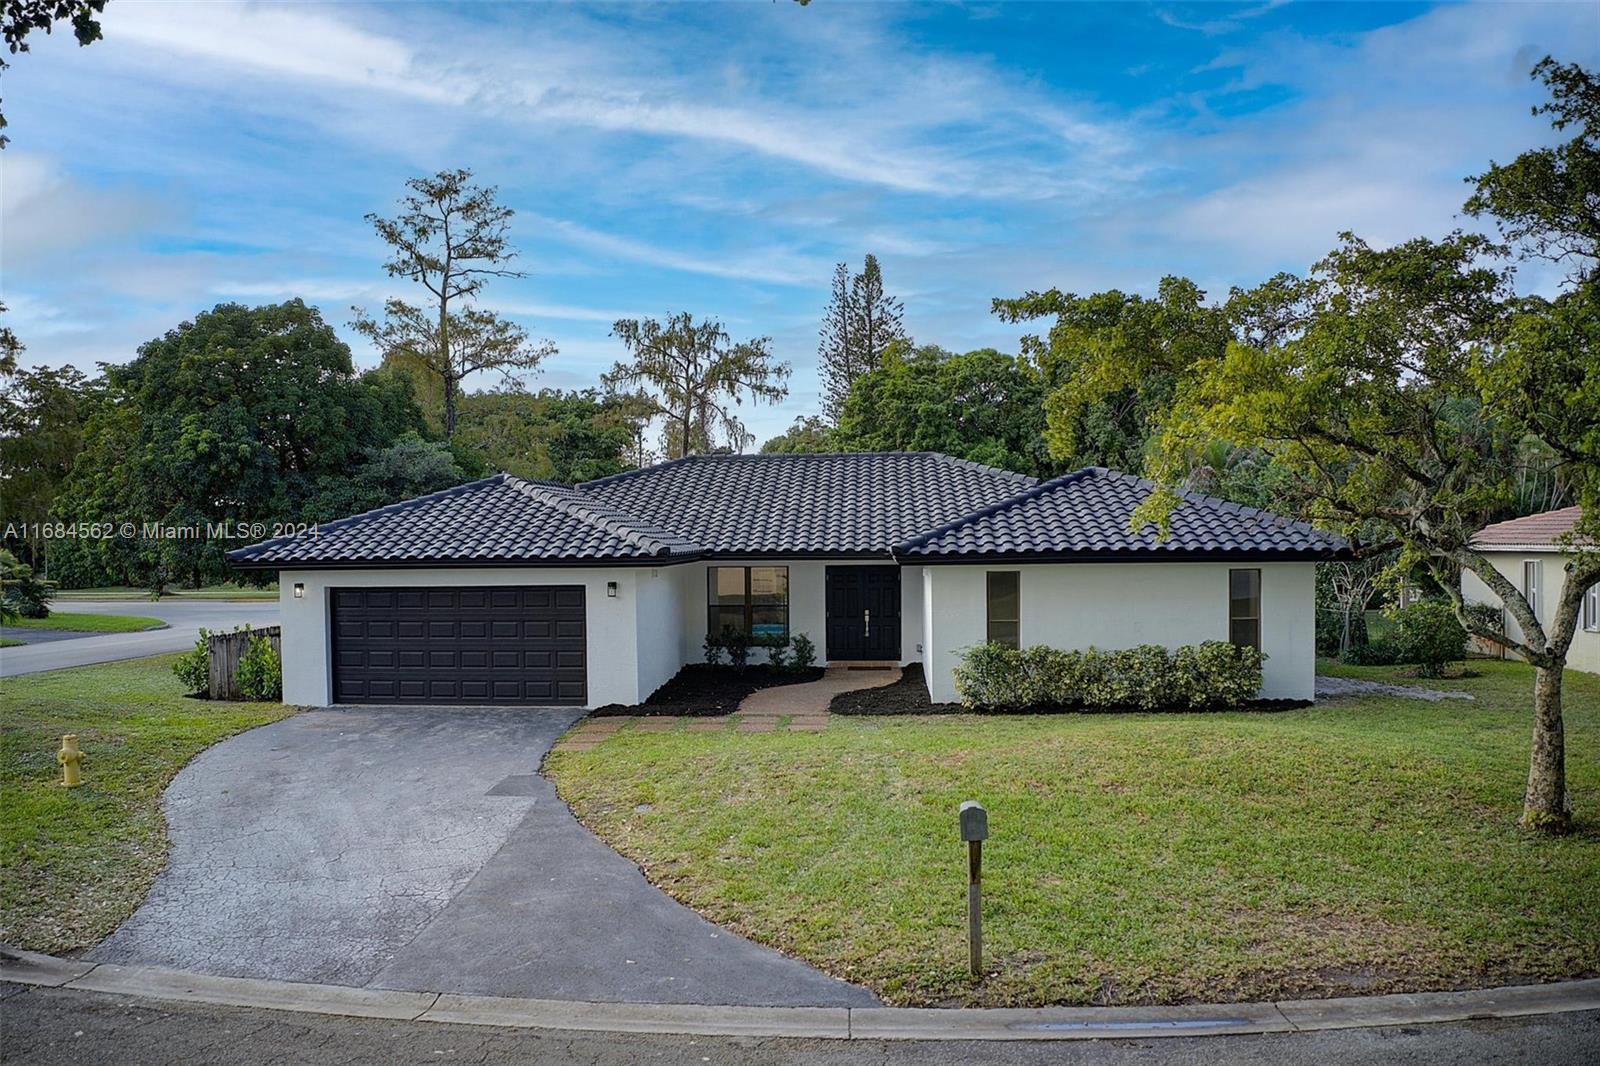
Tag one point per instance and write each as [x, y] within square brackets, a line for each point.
[983, 405]
[552, 435]
[860, 323]
[1110, 362]
[693, 377]
[43, 412]
[239, 415]
[450, 238]
[807, 435]
[1391, 391]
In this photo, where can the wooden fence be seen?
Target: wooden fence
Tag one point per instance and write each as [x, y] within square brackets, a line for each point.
[226, 649]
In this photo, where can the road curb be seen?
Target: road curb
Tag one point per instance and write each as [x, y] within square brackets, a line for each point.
[827, 1023]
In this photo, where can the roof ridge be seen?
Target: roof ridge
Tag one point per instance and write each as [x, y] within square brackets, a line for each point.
[574, 501]
[261, 547]
[1032, 492]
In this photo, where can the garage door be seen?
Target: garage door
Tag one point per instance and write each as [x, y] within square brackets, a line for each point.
[521, 645]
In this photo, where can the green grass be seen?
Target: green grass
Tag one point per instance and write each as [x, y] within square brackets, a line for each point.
[208, 592]
[7, 642]
[1358, 846]
[75, 862]
[90, 623]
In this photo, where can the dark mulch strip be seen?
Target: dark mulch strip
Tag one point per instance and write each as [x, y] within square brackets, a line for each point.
[909, 695]
[699, 690]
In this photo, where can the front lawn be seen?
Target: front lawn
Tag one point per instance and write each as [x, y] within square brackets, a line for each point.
[1357, 846]
[75, 862]
[89, 623]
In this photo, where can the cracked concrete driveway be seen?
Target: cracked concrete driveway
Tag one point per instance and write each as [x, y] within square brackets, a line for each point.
[418, 848]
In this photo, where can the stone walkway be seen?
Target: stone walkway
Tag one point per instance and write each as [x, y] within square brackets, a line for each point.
[785, 708]
[1329, 688]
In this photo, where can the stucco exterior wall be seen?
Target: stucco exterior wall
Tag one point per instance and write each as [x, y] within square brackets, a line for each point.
[615, 672]
[1585, 651]
[808, 591]
[1119, 605]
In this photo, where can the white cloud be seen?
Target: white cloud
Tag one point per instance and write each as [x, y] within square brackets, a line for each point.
[45, 212]
[292, 42]
[776, 265]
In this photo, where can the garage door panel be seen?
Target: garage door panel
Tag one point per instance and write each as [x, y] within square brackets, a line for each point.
[499, 644]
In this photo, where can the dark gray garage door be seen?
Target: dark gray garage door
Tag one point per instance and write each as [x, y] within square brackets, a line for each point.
[460, 645]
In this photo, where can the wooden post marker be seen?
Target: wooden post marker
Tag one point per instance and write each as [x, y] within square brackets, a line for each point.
[974, 830]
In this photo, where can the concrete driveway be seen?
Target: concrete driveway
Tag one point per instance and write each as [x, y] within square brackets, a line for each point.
[413, 848]
[185, 619]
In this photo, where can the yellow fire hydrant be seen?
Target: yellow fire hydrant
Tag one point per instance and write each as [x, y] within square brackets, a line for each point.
[69, 757]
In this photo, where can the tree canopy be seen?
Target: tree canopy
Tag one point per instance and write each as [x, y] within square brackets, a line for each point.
[450, 238]
[983, 406]
[693, 376]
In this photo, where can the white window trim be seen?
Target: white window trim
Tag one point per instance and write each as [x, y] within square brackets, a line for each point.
[1591, 608]
[1533, 590]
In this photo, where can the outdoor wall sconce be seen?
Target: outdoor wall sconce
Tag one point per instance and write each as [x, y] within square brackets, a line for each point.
[611, 589]
[299, 590]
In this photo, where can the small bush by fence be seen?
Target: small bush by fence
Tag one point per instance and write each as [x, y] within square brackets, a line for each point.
[245, 664]
[1206, 676]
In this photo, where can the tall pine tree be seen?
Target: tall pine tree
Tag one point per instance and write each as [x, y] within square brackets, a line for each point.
[858, 325]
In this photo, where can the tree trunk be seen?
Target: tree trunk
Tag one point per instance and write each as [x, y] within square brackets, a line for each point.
[1545, 807]
[449, 407]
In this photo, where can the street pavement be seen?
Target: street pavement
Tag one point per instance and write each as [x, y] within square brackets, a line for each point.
[56, 1027]
[185, 619]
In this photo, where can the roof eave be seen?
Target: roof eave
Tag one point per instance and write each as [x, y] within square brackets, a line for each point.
[1299, 555]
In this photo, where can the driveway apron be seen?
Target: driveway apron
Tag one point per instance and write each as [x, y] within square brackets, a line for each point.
[419, 848]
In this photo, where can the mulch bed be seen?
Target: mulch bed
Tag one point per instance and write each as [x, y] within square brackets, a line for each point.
[909, 695]
[699, 690]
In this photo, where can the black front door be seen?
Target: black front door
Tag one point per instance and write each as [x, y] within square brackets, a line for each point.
[864, 612]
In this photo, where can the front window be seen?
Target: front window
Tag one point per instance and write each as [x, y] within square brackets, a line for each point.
[1244, 608]
[1591, 608]
[753, 600]
[1530, 584]
[1005, 608]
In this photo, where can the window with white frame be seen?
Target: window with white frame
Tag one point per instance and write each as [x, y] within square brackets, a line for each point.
[1591, 608]
[1532, 584]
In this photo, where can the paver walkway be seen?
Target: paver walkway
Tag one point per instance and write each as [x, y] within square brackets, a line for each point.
[785, 708]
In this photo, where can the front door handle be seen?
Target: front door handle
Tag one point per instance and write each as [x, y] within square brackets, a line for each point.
[867, 617]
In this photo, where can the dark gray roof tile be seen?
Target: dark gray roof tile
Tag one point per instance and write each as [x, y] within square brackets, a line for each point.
[499, 520]
[1085, 514]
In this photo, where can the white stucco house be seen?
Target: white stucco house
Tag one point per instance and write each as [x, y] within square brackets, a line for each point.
[521, 592]
[1528, 552]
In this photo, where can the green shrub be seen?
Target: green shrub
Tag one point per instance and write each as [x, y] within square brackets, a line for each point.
[803, 652]
[1377, 651]
[21, 592]
[777, 649]
[737, 644]
[712, 649]
[1196, 677]
[194, 666]
[260, 674]
[1430, 636]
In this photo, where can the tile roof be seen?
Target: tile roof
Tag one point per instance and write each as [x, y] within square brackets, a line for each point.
[500, 520]
[860, 503]
[912, 505]
[1084, 515]
[1531, 531]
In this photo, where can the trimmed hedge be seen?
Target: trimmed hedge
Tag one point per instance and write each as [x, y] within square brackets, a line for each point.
[1208, 676]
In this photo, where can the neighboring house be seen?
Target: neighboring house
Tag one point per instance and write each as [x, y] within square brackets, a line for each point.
[512, 591]
[1527, 551]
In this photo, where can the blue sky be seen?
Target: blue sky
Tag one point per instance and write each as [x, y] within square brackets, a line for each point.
[720, 158]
